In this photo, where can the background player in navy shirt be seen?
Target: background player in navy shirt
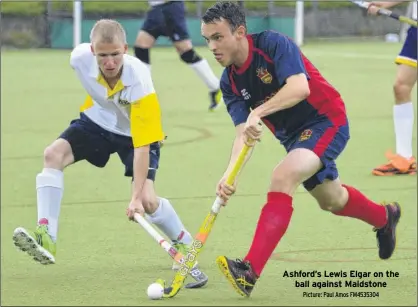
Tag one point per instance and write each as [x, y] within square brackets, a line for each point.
[168, 18]
[268, 79]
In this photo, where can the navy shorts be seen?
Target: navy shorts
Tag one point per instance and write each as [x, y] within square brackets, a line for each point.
[91, 142]
[327, 142]
[168, 19]
[408, 54]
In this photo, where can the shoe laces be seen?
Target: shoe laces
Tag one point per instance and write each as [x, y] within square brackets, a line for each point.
[243, 264]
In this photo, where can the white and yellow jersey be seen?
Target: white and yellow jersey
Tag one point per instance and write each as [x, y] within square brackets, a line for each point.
[414, 10]
[131, 108]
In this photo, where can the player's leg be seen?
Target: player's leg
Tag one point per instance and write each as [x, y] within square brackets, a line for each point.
[274, 219]
[143, 43]
[161, 213]
[344, 200]
[41, 243]
[147, 36]
[202, 69]
[175, 21]
[403, 161]
[307, 155]
[159, 210]
[81, 140]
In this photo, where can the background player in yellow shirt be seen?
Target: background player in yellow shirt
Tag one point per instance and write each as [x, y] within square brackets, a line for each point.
[402, 162]
[121, 115]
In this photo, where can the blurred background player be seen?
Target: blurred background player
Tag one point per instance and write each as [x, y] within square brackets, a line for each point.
[268, 78]
[167, 18]
[402, 162]
[121, 115]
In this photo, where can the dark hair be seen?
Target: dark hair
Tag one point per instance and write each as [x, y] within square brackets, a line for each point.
[228, 10]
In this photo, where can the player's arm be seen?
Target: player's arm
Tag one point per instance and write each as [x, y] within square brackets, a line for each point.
[386, 4]
[290, 71]
[239, 112]
[81, 55]
[146, 128]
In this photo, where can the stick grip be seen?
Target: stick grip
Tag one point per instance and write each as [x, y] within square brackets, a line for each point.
[232, 176]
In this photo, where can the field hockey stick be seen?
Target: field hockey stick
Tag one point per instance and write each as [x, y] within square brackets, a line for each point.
[386, 12]
[200, 278]
[204, 231]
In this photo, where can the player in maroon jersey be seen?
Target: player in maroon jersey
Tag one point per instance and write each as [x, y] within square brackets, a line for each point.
[267, 78]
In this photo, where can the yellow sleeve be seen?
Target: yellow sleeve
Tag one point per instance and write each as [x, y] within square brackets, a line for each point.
[146, 126]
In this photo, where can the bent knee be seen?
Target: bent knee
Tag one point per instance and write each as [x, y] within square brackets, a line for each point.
[150, 203]
[58, 155]
[333, 200]
[144, 40]
[284, 183]
[183, 46]
[331, 205]
[402, 91]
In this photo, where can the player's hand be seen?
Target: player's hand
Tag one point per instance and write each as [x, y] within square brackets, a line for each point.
[252, 129]
[224, 190]
[135, 206]
[373, 9]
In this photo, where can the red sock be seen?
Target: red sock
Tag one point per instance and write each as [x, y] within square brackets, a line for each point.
[360, 207]
[272, 225]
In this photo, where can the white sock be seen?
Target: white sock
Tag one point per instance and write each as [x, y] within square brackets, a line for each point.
[403, 117]
[166, 218]
[205, 73]
[50, 187]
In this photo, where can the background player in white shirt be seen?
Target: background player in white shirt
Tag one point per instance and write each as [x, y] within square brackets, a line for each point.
[120, 115]
[402, 162]
[168, 18]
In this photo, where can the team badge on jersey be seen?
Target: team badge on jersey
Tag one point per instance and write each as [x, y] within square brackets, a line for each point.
[123, 102]
[305, 135]
[264, 75]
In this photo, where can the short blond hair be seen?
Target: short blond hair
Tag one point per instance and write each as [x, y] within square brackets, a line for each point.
[107, 31]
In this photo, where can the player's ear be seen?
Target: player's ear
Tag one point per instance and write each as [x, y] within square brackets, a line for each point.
[125, 48]
[241, 31]
[91, 48]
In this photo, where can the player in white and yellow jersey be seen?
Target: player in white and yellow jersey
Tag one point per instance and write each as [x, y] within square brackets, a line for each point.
[168, 18]
[120, 115]
[402, 162]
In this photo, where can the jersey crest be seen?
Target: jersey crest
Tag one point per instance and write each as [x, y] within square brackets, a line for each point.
[305, 135]
[264, 75]
[123, 102]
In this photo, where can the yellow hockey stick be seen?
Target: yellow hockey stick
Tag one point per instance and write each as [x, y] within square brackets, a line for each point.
[205, 229]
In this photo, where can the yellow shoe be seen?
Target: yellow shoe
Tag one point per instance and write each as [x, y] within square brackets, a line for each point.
[38, 244]
[215, 99]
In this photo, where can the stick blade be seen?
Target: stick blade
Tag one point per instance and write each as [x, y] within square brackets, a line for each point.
[200, 277]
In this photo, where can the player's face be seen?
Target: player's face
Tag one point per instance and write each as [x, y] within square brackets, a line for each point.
[223, 43]
[109, 57]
